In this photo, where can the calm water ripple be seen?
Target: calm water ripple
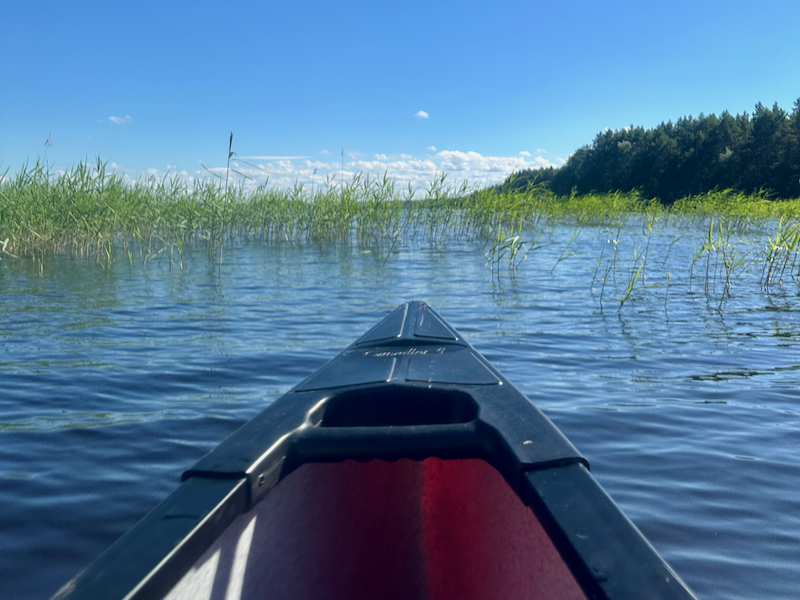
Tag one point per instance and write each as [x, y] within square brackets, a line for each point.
[114, 380]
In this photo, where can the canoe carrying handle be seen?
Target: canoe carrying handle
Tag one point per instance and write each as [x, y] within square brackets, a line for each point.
[394, 407]
[309, 444]
[417, 442]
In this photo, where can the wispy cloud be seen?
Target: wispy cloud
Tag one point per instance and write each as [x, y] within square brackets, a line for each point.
[432, 148]
[421, 114]
[524, 153]
[285, 171]
[151, 175]
[485, 170]
[472, 167]
[121, 120]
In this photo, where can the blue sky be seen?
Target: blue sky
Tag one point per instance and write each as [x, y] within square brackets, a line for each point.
[475, 89]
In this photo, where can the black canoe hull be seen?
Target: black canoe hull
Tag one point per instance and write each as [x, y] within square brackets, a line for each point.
[406, 467]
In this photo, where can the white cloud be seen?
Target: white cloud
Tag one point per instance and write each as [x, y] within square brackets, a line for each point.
[121, 120]
[475, 166]
[432, 148]
[151, 175]
[472, 167]
[524, 153]
[324, 151]
[285, 171]
[421, 115]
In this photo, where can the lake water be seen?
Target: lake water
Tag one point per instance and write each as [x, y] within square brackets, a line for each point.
[113, 380]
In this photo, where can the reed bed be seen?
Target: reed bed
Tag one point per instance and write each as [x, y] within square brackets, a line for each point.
[88, 211]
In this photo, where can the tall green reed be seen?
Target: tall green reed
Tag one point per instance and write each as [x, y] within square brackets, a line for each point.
[92, 212]
[781, 252]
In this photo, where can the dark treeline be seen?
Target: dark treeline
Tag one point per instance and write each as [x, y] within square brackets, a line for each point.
[745, 153]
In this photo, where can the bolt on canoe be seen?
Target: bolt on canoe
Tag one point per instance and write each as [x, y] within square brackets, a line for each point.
[406, 467]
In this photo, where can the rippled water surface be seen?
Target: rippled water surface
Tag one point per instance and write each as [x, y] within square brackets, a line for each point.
[114, 380]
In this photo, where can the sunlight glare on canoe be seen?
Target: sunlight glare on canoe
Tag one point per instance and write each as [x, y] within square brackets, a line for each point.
[236, 580]
[198, 583]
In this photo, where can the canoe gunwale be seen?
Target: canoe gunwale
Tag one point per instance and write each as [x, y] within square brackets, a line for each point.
[461, 408]
[147, 561]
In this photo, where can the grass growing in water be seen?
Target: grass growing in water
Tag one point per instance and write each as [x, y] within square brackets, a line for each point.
[779, 254]
[88, 211]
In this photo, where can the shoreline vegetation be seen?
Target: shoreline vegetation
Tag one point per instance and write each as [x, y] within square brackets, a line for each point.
[751, 216]
[88, 212]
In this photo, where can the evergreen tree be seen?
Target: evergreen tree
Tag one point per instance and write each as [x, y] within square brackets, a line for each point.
[691, 156]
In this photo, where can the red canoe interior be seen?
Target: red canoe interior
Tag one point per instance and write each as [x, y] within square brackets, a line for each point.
[436, 529]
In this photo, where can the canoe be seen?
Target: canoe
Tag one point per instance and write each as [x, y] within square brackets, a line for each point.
[406, 467]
